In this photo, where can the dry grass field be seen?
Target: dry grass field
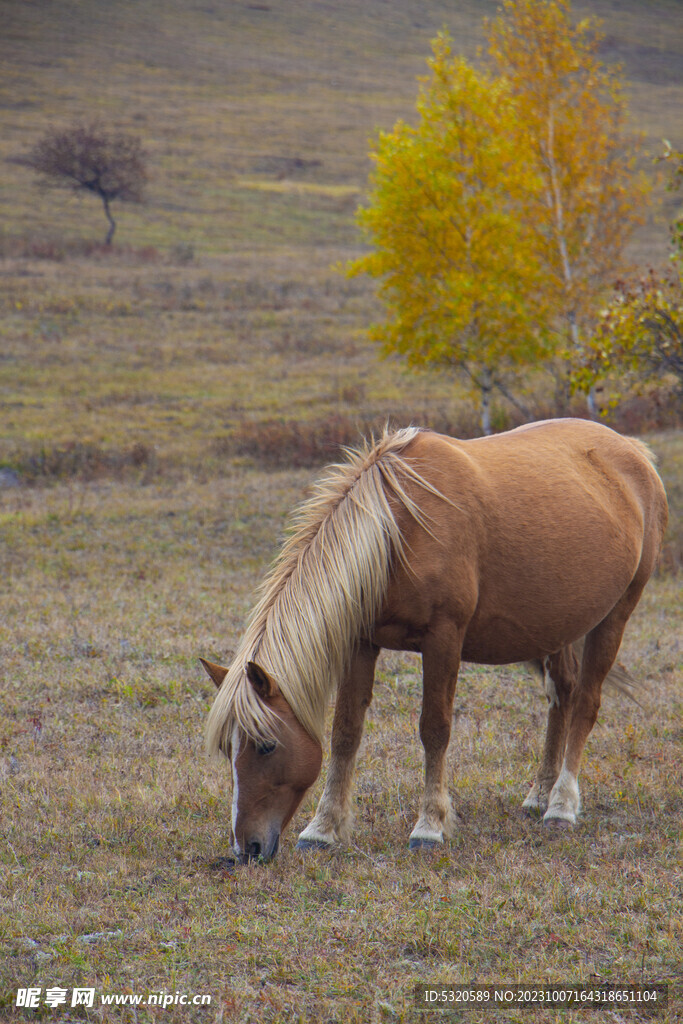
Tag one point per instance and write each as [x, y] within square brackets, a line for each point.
[162, 406]
[114, 822]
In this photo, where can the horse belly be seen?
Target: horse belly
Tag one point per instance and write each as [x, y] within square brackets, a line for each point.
[532, 605]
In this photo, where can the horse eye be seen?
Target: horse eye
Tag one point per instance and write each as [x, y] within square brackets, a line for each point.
[265, 748]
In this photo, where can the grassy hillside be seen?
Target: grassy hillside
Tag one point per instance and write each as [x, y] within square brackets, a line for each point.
[220, 307]
[257, 116]
[161, 405]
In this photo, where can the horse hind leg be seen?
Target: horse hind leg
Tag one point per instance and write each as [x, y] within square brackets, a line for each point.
[560, 674]
[333, 817]
[600, 650]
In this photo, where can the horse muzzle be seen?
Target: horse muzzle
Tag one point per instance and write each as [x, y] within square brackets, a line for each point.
[258, 849]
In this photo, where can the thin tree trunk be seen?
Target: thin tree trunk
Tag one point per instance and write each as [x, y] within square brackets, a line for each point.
[562, 389]
[562, 247]
[576, 342]
[485, 385]
[112, 222]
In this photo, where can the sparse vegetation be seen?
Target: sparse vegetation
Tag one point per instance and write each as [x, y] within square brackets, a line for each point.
[640, 338]
[144, 388]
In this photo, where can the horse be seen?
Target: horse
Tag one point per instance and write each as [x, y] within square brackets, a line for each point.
[532, 545]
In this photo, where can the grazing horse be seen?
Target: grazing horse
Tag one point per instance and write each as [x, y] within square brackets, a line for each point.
[525, 546]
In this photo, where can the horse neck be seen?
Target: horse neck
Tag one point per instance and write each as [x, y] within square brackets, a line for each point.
[309, 625]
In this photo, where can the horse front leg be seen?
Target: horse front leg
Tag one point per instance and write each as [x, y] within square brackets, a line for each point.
[440, 665]
[333, 817]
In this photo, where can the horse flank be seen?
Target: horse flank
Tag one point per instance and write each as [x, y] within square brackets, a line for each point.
[322, 593]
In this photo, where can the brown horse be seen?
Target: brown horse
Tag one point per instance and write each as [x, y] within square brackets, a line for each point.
[502, 549]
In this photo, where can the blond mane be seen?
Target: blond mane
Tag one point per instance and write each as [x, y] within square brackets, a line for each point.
[322, 593]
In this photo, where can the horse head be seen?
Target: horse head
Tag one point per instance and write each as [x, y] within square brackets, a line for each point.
[269, 779]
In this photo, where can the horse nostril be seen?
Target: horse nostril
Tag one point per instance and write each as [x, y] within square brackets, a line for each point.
[253, 850]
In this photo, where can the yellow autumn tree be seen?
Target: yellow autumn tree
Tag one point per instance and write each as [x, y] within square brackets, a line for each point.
[453, 249]
[572, 118]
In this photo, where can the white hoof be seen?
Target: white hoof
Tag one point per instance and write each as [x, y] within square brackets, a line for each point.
[312, 845]
[423, 844]
[313, 837]
[565, 801]
[558, 823]
[425, 834]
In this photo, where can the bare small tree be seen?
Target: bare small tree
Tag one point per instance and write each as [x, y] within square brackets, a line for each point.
[87, 157]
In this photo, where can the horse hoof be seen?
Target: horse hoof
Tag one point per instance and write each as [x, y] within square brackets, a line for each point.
[560, 824]
[423, 844]
[309, 845]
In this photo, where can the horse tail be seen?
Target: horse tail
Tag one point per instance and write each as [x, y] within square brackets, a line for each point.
[618, 679]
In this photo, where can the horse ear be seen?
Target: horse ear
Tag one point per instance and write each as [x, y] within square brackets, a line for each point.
[216, 672]
[264, 684]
